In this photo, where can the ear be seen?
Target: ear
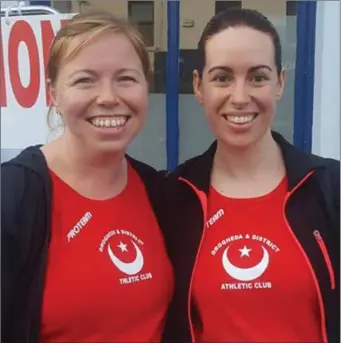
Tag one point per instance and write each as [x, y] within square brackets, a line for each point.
[197, 86]
[280, 84]
[52, 91]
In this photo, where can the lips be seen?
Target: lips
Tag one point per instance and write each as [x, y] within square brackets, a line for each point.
[240, 118]
[109, 121]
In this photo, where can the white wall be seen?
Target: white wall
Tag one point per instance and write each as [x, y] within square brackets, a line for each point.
[326, 119]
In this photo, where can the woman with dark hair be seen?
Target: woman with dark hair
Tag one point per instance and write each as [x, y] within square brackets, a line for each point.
[256, 253]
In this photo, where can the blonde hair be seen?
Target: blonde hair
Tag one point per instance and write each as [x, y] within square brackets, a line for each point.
[85, 27]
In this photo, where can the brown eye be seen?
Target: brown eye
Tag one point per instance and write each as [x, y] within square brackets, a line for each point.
[258, 79]
[222, 78]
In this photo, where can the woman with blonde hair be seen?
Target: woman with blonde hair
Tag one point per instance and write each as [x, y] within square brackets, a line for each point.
[83, 257]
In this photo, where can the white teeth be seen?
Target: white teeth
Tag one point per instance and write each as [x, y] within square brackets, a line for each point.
[240, 119]
[116, 122]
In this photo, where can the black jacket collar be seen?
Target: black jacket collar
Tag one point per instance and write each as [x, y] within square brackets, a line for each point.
[298, 164]
[32, 158]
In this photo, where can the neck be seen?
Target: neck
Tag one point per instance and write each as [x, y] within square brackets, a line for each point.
[92, 174]
[86, 162]
[262, 158]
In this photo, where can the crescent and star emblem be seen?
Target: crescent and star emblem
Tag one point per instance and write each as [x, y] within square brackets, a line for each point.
[129, 268]
[245, 274]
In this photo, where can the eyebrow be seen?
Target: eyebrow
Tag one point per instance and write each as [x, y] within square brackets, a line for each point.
[88, 71]
[123, 70]
[230, 70]
[92, 72]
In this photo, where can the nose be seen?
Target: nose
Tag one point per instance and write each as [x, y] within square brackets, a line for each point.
[107, 95]
[240, 94]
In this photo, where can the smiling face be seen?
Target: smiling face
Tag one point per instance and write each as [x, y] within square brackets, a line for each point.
[239, 86]
[102, 93]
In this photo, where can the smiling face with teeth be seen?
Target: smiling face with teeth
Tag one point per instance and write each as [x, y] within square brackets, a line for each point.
[102, 93]
[239, 85]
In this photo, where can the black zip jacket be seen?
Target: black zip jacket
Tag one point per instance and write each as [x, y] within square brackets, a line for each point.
[312, 209]
[26, 196]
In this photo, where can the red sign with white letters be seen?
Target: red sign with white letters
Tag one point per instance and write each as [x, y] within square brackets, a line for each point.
[24, 98]
[22, 32]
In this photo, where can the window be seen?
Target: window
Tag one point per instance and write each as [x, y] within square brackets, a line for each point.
[291, 8]
[224, 5]
[63, 6]
[26, 11]
[142, 14]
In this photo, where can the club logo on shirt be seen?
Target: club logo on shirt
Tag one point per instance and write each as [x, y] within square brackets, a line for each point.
[245, 274]
[245, 258]
[130, 268]
[123, 245]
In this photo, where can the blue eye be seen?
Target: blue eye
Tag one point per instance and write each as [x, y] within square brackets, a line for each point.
[127, 78]
[83, 80]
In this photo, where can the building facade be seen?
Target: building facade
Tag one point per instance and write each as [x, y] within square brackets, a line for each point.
[323, 125]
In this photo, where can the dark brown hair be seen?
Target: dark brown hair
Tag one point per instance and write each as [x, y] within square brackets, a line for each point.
[235, 17]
